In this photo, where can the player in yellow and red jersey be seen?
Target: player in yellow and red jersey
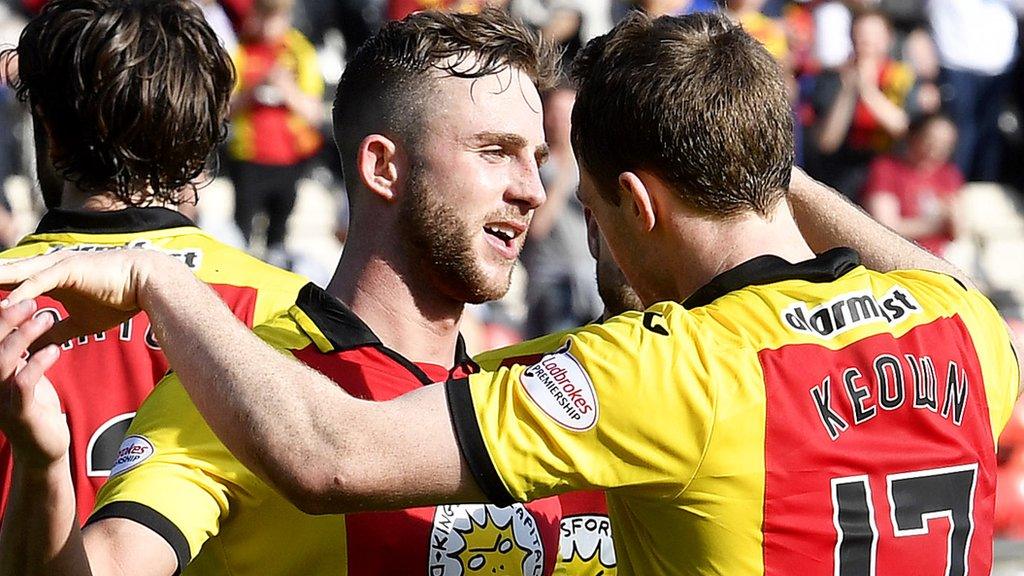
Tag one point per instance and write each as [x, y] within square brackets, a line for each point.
[778, 408]
[387, 325]
[125, 173]
[103, 378]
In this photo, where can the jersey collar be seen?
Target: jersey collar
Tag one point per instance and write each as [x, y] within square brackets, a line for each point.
[343, 330]
[768, 269]
[128, 220]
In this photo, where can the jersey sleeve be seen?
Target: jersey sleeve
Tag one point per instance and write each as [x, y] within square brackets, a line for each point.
[999, 363]
[618, 406]
[173, 475]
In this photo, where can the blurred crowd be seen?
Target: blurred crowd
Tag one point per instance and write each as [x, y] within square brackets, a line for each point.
[911, 108]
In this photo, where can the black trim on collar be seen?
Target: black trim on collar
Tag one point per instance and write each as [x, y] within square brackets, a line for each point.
[335, 320]
[113, 222]
[769, 269]
[346, 331]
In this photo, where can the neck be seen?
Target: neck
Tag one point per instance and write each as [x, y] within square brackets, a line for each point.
[409, 315]
[716, 245]
[72, 198]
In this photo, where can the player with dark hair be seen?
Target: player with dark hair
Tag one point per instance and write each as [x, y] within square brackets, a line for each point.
[772, 411]
[441, 140]
[129, 100]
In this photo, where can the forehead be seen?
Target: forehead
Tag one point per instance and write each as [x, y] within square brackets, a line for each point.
[503, 102]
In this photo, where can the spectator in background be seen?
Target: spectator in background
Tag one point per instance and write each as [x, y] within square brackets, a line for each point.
[914, 194]
[765, 30]
[860, 108]
[976, 40]
[832, 22]
[570, 24]
[219, 20]
[11, 115]
[920, 53]
[276, 110]
[561, 292]
[656, 8]
[398, 9]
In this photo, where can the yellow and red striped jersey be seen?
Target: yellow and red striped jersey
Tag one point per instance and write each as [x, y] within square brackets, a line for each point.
[815, 418]
[222, 519]
[585, 546]
[102, 379]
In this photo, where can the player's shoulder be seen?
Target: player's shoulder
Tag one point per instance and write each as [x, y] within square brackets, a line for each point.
[630, 332]
[317, 319]
[935, 289]
[284, 331]
[526, 352]
[217, 262]
[25, 249]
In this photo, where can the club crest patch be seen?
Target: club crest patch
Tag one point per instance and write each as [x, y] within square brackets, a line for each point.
[485, 539]
[585, 546]
[562, 389]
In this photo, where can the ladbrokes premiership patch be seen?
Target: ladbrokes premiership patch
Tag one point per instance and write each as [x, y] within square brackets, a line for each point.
[134, 451]
[562, 389]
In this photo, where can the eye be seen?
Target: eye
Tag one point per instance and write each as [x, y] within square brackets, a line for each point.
[494, 153]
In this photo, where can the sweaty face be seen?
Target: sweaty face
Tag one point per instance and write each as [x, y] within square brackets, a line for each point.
[473, 183]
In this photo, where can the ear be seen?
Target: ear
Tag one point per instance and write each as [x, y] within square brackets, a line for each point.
[638, 195]
[376, 163]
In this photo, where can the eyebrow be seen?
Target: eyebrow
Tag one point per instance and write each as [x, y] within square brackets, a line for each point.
[508, 139]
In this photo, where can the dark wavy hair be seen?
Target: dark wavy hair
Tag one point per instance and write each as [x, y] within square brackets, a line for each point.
[132, 93]
[387, 85]
[694, 99]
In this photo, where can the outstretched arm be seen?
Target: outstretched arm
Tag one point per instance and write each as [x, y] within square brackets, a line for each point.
[323, 449]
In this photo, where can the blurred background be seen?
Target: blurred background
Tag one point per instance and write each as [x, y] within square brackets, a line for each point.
[911, 108]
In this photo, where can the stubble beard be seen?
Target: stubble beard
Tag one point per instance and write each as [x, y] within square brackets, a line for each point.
[440, 244]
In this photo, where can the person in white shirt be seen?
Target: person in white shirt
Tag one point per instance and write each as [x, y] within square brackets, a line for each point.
[976, 40]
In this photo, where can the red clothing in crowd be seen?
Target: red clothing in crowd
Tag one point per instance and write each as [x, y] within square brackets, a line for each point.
[917, 191]
[398, 9]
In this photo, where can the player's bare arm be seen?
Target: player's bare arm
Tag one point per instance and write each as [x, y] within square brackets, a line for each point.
[327, 451]
[827, 220]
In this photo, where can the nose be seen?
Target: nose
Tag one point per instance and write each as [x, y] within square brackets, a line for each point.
[527, 189]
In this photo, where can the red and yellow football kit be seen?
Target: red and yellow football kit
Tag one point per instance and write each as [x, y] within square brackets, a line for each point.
[102, 379]
[585, 546]
[222, 519]
[814, 419]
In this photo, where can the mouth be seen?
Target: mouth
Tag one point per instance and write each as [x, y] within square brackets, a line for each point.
[505, 237]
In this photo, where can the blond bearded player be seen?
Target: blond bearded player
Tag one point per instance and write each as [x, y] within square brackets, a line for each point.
[774, 410]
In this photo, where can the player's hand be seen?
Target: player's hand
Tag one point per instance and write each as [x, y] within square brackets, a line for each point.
[99, 290]
[30, 414]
